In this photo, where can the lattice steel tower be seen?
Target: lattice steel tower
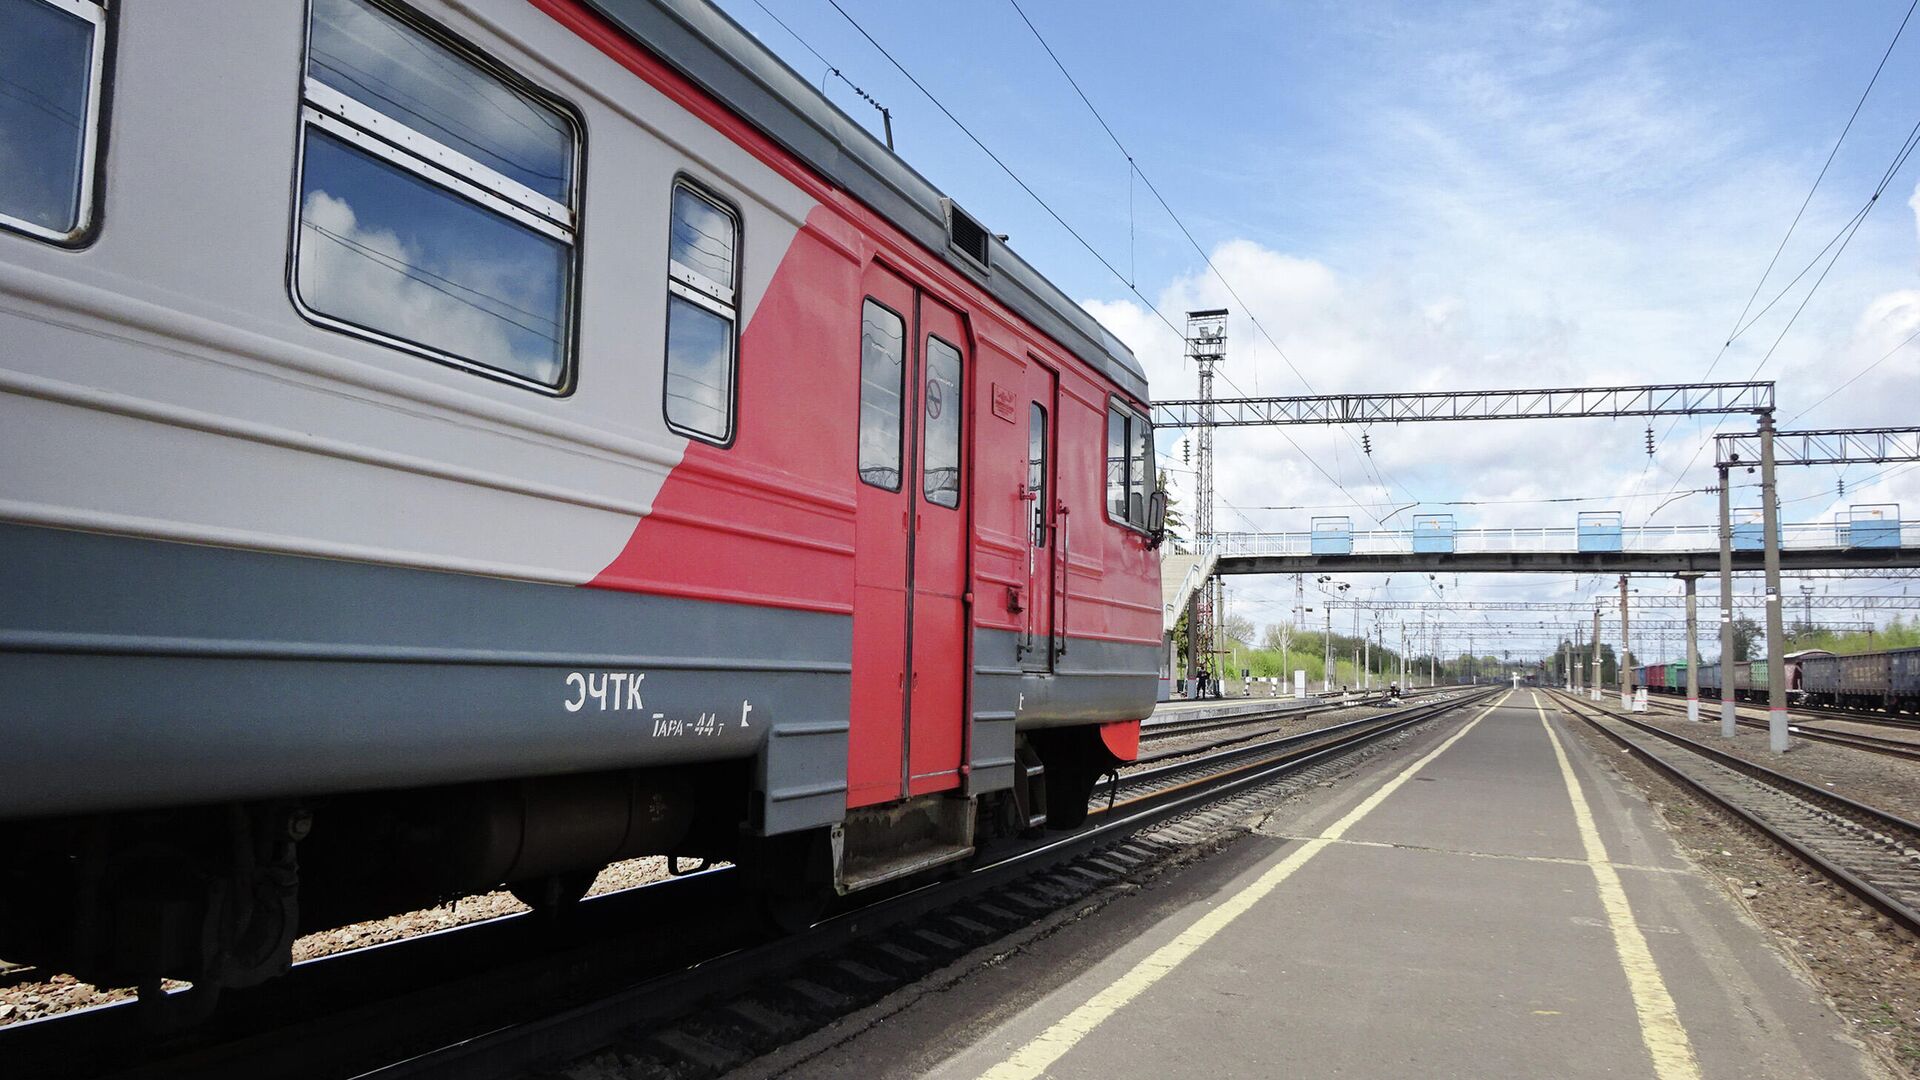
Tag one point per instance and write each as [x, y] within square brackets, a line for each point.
[1206, 346]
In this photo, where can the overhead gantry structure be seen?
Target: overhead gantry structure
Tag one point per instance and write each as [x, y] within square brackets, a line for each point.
[1833, 447]
[1664, 399]
[1767, 449]
[1528, 403]
[1821, 603]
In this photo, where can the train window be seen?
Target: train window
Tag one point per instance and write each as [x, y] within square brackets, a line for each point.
[883, 364]
[940, 473]
[1141, 477]
[437, 200]
[701, 248]
[703, 240]
[1037, 471]
[52, 53]
[1117, 463]
[1130, 471]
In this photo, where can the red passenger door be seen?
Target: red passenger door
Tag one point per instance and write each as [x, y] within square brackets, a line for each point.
[884, 504]
[910, 652]
[936, 735]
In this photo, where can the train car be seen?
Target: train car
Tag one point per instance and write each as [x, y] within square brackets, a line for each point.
[1795, 666]
[1864, 681]
[1903, 678]
[1677, 677]
[1710, 680]
[1820, 679]
[1750, 680]
[454, 444]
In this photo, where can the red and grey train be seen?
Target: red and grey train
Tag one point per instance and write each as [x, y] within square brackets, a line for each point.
[453, 445]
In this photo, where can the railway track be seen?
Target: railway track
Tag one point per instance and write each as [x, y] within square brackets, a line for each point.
[1243, 737]
[1283, 709]
[596, 985]
[1869, 852]
[1858, 716]
[1900, 748]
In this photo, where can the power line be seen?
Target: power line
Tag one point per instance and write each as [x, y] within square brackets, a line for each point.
[1008, 169]
[1134, 166]
[1738, 329]
[1024, 186]
[1899, 162]
[1846, 235]
[1831, 154]
[832, 70]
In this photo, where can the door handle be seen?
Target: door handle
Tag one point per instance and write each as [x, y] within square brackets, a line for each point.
[1065, 533]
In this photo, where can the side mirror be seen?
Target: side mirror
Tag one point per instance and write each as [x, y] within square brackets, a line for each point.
[1157, 518]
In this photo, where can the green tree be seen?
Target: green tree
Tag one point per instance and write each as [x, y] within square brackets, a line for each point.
[1176, 523]
[1745, 633]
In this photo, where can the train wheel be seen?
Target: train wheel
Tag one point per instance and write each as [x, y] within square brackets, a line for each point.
[1069, 788]
[554, 897]
[1075, 759]
[791, 879]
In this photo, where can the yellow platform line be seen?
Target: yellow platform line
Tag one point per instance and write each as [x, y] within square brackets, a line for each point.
[1033, 1059]
[1506, 856]
[1660, 1026]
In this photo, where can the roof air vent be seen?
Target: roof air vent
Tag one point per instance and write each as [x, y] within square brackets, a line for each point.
[967, 237]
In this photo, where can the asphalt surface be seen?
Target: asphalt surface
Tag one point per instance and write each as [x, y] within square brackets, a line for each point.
[1443, 912]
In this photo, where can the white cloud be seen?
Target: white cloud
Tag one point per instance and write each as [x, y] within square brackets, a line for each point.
[1914, 203]
[372, 278]
[1349, 333]
[1540, 199]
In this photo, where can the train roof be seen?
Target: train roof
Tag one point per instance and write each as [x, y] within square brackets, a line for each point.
[718, 55]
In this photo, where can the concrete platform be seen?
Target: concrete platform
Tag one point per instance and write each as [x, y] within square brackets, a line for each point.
[1488, 904]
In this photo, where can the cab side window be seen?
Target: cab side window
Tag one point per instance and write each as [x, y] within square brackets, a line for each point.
[1130, 468]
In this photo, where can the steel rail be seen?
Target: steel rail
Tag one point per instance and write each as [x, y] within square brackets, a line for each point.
[583, 1029]
[1177, 727]
[1823, 712]
[1901, 914]
[1225, 756]
[328, 1042]
[1835, 712]
[1871, 743]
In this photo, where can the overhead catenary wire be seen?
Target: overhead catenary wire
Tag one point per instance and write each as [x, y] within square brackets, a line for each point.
[1828, 164]
[1134, 167]
[832, 69]
[1741, 323]
[1062, 222]
[1852, 228]
[1886, 179]
[1008, 169]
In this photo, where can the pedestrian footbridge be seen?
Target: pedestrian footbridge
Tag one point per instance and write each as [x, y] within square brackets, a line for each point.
[1866, 537]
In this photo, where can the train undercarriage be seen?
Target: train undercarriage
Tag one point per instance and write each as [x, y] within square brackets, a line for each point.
[216, 895]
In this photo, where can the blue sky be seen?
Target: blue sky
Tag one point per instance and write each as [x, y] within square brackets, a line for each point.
[1442, 196]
